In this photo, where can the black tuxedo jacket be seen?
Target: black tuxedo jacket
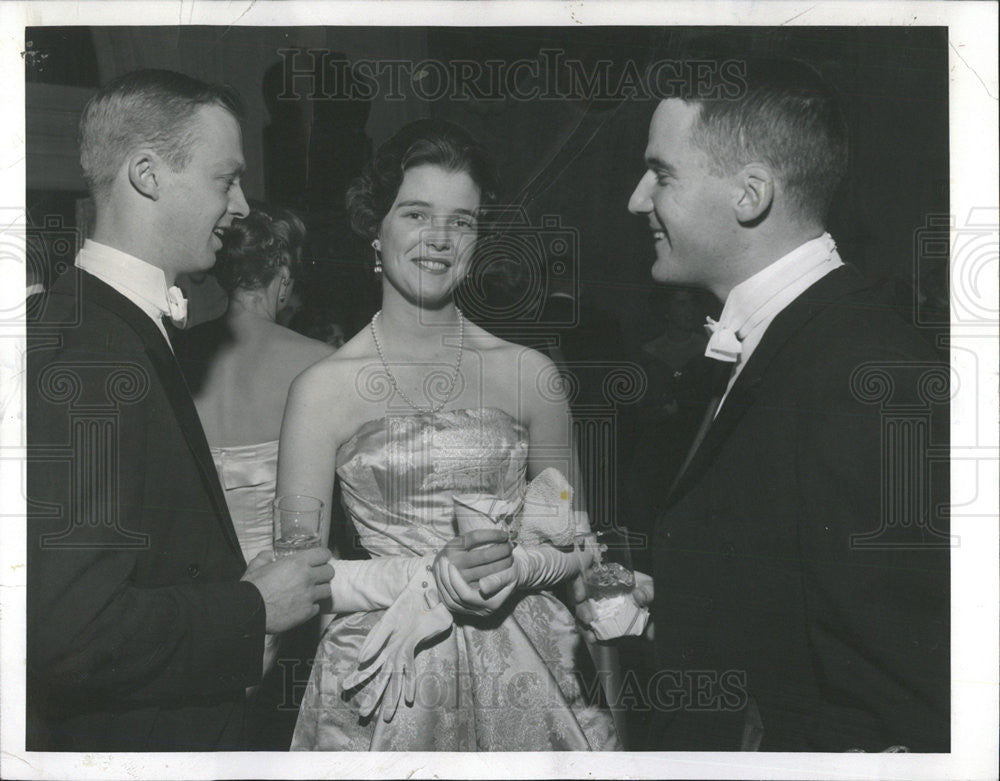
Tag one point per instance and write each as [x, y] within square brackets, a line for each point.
[141, 637]
[802, 564]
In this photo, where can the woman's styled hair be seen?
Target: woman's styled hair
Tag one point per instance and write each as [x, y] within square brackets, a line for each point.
[424, 142]
[255, 247]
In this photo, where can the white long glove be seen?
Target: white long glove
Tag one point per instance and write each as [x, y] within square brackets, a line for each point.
[363, 586]
[389, 651]
[546, 516]
[537, 566]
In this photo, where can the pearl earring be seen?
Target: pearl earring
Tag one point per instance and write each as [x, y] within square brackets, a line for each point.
[377, 246]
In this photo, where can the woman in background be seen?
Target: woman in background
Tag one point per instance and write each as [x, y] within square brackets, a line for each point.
[239, 368]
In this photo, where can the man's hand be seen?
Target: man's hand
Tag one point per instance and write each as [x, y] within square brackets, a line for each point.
[467, 558]
[642, 595]
[643, 591]
[291, 586]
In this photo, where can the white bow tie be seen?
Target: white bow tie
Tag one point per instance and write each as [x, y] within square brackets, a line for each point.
[178, 306]
[724, 343]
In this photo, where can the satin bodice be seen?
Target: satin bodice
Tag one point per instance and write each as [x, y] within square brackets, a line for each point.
[248, 474]
[398, 474]
[503, 682]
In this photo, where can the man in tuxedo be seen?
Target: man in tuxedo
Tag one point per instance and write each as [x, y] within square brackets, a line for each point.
[800, 570]
[145, 624]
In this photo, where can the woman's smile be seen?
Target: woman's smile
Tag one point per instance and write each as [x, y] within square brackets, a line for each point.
[433, 265]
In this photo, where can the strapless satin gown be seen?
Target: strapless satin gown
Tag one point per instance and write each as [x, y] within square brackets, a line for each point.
[506, 682]
[248, 474]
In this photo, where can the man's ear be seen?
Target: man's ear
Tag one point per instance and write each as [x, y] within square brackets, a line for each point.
[144, 169]
[755, 192]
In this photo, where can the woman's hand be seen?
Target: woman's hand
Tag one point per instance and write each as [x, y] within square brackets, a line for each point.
[479, 553]
[466, 559]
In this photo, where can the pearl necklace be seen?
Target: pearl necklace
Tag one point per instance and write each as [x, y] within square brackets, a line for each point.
[454, 374]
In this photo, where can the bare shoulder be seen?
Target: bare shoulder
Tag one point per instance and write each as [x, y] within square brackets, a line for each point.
[331, 378]
[500, 351]
[529, 362]
[539, 380]
[503, 361]
[303, 349]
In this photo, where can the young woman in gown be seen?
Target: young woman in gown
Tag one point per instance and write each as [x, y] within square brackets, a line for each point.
[417, 407]
[239, 368]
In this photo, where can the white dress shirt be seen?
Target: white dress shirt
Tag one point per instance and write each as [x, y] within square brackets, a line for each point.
[755, 302]
[141, 283]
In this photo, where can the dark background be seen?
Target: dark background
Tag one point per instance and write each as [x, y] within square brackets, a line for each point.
[575, 160]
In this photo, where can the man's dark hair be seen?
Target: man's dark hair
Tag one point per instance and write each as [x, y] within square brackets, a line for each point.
[151, 108]
[786, 116]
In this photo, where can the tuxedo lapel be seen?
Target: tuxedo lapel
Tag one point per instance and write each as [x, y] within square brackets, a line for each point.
[721, 372]
[169, 373]
[745, 391]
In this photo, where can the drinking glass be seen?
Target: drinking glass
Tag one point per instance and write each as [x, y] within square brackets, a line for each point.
[609, 580]
[482, 511]
[296, 523]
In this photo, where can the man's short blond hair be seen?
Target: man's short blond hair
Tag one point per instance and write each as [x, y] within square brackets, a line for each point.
[145, 108]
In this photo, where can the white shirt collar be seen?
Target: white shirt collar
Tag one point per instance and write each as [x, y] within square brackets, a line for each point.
[755, 302]
[778, 284]
[142, 283]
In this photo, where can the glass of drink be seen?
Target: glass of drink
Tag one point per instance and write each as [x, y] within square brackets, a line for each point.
[296, 524]
[482, 511]
[609, 580]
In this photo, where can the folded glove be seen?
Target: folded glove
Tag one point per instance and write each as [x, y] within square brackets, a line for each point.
[362, 586]
[389, 651]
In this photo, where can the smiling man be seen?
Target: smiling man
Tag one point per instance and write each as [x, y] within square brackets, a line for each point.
[798, 553]
[145, 625]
